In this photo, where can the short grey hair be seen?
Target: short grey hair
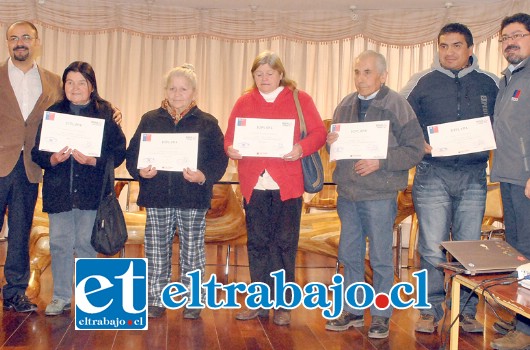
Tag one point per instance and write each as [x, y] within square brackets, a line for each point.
[186, 70]
[380, 60]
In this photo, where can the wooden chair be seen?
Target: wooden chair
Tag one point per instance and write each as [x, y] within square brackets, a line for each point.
[134, 219]
[493, 214]
[406, 209]
[493, 222]
[3, 231]
[327, 198]
[40, 258]
[413, 238]
[225, 221]
[315, 229]
[39, 249]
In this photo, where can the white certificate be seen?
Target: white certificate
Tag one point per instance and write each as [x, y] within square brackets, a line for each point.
[461, 137]
[168, 152]
[257, 137]
[366, 140]
[81, 133]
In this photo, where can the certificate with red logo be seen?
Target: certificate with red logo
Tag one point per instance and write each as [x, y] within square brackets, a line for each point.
[258, 137]
[81, 133]
[461, 137]
[168, 151]
[366, 140]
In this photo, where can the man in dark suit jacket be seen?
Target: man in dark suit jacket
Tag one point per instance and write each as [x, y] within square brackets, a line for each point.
[26, 90]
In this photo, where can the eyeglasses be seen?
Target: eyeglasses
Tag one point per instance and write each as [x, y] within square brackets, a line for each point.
[513, 37]
[24, 38]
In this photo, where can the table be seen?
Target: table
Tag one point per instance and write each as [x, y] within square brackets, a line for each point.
[512, 296]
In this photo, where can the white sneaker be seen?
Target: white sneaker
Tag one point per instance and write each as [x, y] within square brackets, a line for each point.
[57, 307]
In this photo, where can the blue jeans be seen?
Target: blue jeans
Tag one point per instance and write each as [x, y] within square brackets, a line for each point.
[70, 234]
[375, 220]
[516, 208]
[446, 200]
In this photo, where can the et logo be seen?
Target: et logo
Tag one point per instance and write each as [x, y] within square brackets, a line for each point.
[110, 294]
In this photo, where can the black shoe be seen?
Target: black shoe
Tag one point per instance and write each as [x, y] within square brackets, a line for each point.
[379, 327]
[19, 303]
[345, 321]
[282, 317]
[155, 311]
[250, 314]
[503, 327]
[470, 324]
[192, 314]
[426, 324]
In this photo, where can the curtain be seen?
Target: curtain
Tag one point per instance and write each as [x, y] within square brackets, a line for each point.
[131, 47]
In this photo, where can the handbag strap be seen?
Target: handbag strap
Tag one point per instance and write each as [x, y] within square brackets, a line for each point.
[303, 129]
[109, 175]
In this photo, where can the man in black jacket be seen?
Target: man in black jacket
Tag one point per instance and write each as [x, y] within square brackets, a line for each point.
[449, 193]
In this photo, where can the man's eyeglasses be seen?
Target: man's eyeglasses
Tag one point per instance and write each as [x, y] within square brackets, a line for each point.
[24, 38]
[513, 37]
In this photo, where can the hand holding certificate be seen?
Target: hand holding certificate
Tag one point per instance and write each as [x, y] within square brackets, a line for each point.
[257, 137]
[461, 137]
[168, 151]
[61, 130]
[366, 140]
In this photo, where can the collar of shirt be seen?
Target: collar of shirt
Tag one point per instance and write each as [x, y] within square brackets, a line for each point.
[511, 67]
[271, 96]
[12, 68]
[368, 97]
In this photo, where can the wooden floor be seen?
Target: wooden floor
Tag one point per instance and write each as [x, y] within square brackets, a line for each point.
[219, 329]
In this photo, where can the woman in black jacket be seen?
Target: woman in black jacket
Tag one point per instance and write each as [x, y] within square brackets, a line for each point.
[177, 199]
[72, 180]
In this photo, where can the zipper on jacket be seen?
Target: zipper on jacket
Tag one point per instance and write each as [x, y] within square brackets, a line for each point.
[171, 173]
[71, 175]
[459, 92]
[523, 152]
[458, 96]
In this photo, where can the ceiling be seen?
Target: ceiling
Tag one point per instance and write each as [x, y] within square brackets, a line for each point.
[313, 5]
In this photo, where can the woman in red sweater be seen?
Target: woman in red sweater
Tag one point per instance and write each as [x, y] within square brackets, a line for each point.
[272, 187]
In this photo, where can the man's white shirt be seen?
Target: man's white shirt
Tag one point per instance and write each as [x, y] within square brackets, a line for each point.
[27, 87]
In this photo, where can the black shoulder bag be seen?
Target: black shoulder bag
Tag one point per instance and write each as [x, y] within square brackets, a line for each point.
[110, 232]
[312, 164]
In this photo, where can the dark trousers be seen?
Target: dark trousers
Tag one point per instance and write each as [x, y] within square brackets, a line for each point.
[516, 208]
[273, 228]
[516, 217]
[18, 195]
